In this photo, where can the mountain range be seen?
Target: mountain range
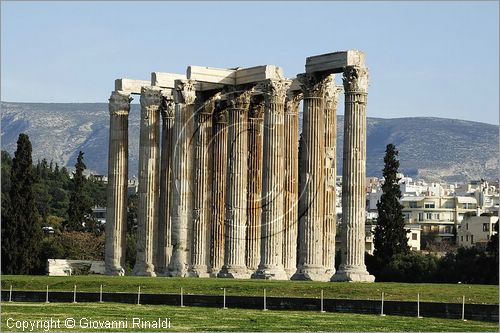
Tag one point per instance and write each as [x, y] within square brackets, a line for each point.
[434, 149]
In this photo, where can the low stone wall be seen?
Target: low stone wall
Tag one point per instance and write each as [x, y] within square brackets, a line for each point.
[65, 267]
[485, 312]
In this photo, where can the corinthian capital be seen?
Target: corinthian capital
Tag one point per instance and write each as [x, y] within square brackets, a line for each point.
[239, 98]
[150, 97]
[292, 102]
[355, 79]
[119, 103]
[314, 84]
[332, 95]
[167, 108]
[184, 92]
[275, 90]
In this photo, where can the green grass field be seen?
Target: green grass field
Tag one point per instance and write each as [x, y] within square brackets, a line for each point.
[211, 319]
[451, 293]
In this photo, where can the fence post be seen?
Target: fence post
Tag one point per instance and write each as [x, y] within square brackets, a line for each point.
[182, 298]
[74, 294]
[463, 308]
[382, 307]
[418, 306]
[224, 306]
[10, 294]
[139, 296]
[322, 310]
[100, 294]
[47, 295]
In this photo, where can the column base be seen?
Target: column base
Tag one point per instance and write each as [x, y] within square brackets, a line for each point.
[352, 274]
[311, 273]
[199, 271]
[290, 272]
[144, 270]
[234, 272]
[115, 270]
[270, 273]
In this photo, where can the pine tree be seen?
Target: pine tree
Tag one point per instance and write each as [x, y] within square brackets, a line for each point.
[390, 233]
[21, 230]
[79, 209]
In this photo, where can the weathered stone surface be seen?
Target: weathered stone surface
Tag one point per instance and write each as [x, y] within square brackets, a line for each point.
[238, 76]
[330, 220]
[200, 253]
[335, 62]
[271, 259]
[219, 186]
[164, 242]
[167, 80]
[236, 212]
[149, 149]
[116, 224]
[66, 267]
[182, 173]
[130, 86]
[291, 176]
[255, 144]
[310, 265]
[352, 267]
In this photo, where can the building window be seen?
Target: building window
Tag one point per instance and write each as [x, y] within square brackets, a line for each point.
[420, 216]
[414, 236]
[461, 238]
[428, 216]
[488, 237]
[429, 205]
[472, 239]
[466, 226]
[435, 216]
[466, 238]
[412, 204]
[486, 227]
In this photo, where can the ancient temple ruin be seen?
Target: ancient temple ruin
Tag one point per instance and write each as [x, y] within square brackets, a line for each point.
[224, 188]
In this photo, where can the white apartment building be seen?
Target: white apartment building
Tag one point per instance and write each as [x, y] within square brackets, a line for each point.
[476, 230]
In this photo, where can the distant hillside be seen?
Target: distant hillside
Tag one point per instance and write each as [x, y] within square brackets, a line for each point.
[430, 148]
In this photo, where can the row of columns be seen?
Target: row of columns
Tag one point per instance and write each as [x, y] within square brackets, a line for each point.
[223, 199]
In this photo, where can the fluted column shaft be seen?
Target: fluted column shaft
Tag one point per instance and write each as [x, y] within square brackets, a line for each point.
[291, 184]
[255, 143]
[352, 267]
[219, 184]
[271, 258]
[203, 197]
[236, 212]
[330, 220]
[147, 215]
[310, 265]
[182, 164]
[119, 108]
[164, 248]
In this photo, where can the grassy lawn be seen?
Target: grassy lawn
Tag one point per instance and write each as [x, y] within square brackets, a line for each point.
[211, 319]
[452, 293]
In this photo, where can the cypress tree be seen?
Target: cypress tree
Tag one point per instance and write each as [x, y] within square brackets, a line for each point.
[21, 230]
[390, 233]
[79, 209]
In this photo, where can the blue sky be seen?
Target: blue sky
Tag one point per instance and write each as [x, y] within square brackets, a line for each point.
[425, 59]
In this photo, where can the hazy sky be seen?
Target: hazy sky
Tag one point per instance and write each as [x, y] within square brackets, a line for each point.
[425, 59]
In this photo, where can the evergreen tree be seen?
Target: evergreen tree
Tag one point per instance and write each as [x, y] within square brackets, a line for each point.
[21, 230]
[390, 233]
[79, 209]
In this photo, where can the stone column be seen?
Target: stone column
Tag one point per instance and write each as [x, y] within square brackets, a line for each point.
[236, 212]
[149, 148]
[271, 258]
[310, 265]
[116, 222]
[330, 220]
[200, 253]
[182, 164]
[291, 184]
[352, 267]
[219, 183]
[255, 142]
[164, 249]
